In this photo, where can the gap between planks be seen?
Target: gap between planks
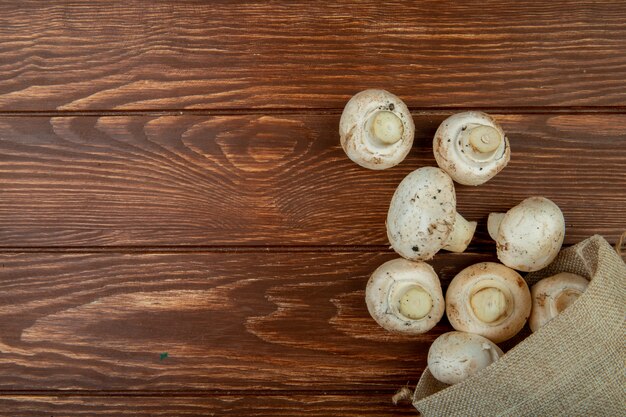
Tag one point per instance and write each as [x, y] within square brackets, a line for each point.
[479, 248]
[581, 110]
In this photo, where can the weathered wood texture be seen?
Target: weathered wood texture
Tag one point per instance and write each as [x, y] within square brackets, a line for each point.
[275, 180]
[187, 54]
[228, 321]
[314, 404]
[171, 182]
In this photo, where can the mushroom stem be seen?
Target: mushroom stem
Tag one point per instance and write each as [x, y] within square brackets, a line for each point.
[415, 303]
[489, 304]
[461, 235]
[386, 128]
[566, 298]
[483, 138]
[493, 224]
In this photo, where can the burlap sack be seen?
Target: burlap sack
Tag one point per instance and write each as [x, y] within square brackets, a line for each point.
[573, 366]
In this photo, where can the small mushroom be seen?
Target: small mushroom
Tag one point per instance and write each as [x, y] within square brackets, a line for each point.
[422, 217]
[376, 129]
[529, 236]
[488, 299]
[471, 147]
[405, 297]
[455, 356]
[552, 295]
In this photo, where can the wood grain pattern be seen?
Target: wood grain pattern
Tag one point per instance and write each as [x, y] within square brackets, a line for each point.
[180, 231]
[314, 404]
[275, 180]
[136, 55]
[228, 321]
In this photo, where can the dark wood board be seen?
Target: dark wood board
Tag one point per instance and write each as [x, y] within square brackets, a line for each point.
[227, 321]
[347, 404]
[123, 55]
[275, 180]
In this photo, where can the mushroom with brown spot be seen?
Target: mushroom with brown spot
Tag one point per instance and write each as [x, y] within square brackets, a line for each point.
[455, 356]
[376, 129]
[488, 299]
[422, 217]
[471, 147]
[405, 297]
[552, 295]
[529, 236]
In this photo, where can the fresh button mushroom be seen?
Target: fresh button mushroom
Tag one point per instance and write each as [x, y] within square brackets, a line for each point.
[422, 217]
[376, 129]
[529, 236]
[488, 299]
[552, 295]
[455, 356]
[471, 147]
[405, 297]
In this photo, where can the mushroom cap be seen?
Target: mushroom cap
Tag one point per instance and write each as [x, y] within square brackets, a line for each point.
[488, 299]
[356, 129]
[552, 295]
[456, 155]
[455, 356]
[421, 213]
[530, 234]
[387, 287]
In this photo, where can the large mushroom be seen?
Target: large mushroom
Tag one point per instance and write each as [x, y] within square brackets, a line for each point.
[376, 129]
[471, 147]
[552, 295]
[488, 299]
[455, 356]
[422, 217]
[405, 297]
[529, 236]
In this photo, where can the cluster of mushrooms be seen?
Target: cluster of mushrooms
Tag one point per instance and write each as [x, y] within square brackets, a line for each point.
[486, 303]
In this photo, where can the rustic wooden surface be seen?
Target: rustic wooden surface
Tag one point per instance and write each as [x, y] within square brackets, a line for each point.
[180, 231]
[251, 320]
[235, 404]
[273, 180]
[241, 55]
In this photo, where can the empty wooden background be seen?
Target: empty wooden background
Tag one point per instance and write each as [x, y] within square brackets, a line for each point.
[180, 231]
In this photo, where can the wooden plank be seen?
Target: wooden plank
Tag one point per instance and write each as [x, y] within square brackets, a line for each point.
[274, 180]
[202, 321]
[355, 405]
[297, 54]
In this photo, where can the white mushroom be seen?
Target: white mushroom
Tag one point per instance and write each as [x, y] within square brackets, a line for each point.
[376, 129]
[552, 295]
[528, 236]
[422, 217]
[455, 356]
[405, 297]
[471, 147]
[488, 299]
